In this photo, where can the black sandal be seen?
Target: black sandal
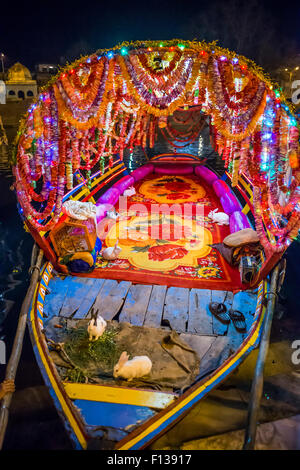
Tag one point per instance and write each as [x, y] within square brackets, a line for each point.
[220, 312]
[238, 320]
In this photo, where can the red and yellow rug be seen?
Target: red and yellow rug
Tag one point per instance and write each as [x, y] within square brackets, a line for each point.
[165, 233]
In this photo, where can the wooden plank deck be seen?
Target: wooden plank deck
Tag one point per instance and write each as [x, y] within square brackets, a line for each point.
[136, 304]
[111, 298]
[182, 309]
[200, 319]
[156, 306]
[176, 308]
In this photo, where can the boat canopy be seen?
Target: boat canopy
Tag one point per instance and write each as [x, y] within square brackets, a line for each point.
[116, 99]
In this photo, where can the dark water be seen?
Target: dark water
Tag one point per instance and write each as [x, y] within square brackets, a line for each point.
[34, 423]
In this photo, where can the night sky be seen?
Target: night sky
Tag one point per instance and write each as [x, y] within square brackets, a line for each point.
[41, 32]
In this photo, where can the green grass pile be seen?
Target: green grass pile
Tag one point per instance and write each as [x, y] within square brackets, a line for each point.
[90, 356]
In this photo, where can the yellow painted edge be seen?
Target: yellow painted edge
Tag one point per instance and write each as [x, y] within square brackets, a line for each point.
[57, 391]
[124, 396]
[245, 185]
[190, 397]
[246, 209]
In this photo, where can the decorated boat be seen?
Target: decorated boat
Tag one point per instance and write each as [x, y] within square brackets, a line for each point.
[164, 255]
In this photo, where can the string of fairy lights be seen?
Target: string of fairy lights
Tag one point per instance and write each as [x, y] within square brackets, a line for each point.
[115, 99]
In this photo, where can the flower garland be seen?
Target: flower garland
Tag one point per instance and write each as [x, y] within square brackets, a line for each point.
[174, 102]
[143, 59]
[99, 106]
[92, 120]
[83, 98]
[164, 82]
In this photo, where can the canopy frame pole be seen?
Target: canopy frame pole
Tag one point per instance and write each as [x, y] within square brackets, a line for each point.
[14, 359]
[258, 378]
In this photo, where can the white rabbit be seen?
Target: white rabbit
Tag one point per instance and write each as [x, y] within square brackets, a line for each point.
[219, 217]
[113, 214]
[96, 326]
[112, 252]
[130, 369]
[129, 192]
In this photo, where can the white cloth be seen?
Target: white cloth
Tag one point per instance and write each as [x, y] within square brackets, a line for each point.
[79, 210]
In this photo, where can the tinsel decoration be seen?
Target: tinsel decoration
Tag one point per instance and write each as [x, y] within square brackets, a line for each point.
[115, 99]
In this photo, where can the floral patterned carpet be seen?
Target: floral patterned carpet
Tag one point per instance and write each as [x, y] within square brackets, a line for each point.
[165, 233]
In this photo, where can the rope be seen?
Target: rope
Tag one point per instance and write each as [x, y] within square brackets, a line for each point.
[270, 293]
[32, 268]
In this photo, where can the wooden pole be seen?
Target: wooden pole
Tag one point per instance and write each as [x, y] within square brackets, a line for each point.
[258, 379]
[14, 359]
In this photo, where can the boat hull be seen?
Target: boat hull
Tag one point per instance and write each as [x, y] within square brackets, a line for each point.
[168, 408]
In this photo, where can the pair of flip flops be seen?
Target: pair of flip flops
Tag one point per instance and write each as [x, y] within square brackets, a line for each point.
[219, 310]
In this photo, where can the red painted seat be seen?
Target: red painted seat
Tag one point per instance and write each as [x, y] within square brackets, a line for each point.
[142, 171]
[124, 183]
[173, 169]
[111, 196]
[208, 175]
[220, 187]
[229, 203]
[238, 221]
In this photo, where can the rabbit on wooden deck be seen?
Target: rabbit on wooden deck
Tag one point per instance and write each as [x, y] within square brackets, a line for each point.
[136, 367]
[96, 326]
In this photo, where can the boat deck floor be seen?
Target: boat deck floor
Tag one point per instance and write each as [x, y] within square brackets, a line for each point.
[182, 309]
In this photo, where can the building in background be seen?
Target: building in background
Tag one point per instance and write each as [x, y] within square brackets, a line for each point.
[2, 92]
[287, 75]
[19, 83]
[44, 72]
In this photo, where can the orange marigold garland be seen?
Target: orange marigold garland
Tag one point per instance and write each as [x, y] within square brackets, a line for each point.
[103, 104]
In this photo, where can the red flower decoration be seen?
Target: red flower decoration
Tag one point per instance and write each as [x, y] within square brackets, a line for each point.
[177, 186]
[178, 196]
[162, 252]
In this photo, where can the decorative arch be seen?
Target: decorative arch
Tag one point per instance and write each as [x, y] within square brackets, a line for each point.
[115, 99]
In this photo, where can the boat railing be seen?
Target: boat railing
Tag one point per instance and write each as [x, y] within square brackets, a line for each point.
[258, 378]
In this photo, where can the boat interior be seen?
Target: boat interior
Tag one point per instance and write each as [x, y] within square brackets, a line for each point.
[164, 281]
[156, 305]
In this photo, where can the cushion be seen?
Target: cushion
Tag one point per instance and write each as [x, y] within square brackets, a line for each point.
[225, 251]
[124, 183]
[83, 262]
[111, 196]
[79, 266]
[172, 169]
[242, 237]
[142, 171]
[208, 175]
[220, 187]
[238, 221]
[229, 203]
